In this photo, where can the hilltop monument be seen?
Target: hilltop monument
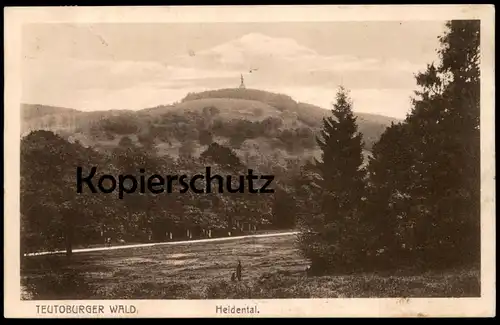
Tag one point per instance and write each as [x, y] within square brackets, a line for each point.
[242, 84]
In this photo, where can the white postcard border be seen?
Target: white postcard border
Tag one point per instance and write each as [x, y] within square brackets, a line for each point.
[15, 17]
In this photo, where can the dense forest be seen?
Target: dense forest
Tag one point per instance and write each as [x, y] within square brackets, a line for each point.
[365, 195]
[56, 209]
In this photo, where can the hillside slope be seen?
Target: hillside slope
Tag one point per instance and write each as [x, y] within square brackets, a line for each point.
[259, 125]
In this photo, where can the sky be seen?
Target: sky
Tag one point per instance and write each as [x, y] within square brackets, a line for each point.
[134, 66]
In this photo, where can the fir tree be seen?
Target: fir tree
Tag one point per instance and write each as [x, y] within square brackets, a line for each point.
[341, 158]
[334, 237]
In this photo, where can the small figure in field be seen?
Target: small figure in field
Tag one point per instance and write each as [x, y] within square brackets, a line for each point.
[238, 270]
[233, 277]
[108, 242]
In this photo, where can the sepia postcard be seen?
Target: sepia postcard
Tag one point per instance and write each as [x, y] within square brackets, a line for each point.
[249, 161]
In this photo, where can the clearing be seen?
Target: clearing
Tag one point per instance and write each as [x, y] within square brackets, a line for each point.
[272, 268]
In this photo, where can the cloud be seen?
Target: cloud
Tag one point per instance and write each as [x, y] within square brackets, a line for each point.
[378, 85]
[256, 45]
[278, 53]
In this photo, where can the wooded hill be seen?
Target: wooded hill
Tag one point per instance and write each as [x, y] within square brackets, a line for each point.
[259, 125]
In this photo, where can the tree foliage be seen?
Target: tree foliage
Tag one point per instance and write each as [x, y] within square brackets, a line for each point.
[332, 237]
[427, 168]
[55, 216]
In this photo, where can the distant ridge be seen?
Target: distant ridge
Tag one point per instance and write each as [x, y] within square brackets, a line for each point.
[29, 111]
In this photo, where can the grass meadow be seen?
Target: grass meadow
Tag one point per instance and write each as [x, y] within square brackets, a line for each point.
[272, 268]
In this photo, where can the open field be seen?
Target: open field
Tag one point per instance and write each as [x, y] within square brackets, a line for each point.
[272, 268]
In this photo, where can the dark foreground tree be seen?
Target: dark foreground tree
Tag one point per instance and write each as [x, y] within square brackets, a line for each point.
[388, 207]
[51, 209]
[431, 163]
[283, 209]
[333, 238]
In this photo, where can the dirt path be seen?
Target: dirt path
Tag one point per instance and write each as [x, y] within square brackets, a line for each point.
[82, 250]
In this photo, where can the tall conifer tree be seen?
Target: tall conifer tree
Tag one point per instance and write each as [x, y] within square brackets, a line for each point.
[334, 238]
[342, 157]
